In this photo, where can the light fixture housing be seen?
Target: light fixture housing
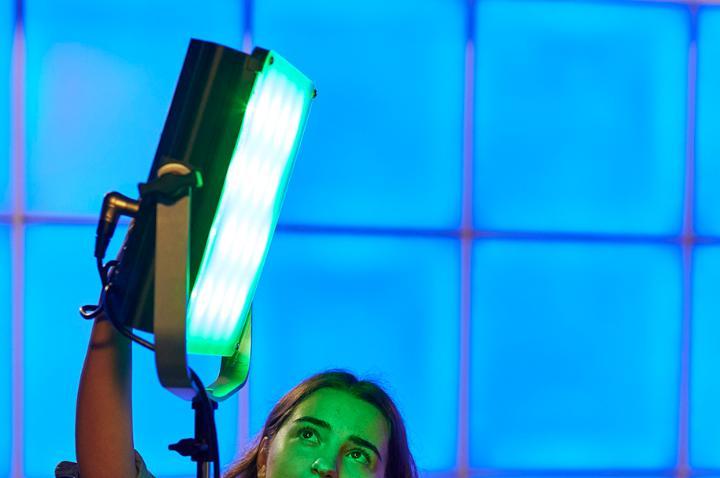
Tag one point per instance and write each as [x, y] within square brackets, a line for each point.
[190, 264]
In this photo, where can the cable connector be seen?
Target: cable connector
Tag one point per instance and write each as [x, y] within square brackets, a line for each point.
[114, 205]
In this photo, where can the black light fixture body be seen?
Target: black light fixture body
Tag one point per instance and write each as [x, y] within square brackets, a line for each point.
[200, 134]
[161, 255]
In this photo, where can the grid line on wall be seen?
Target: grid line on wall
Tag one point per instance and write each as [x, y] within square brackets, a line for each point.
[17, 242]
[242, 434]
[683, 467]
[247, 26]
[381, 231]
[462, 464]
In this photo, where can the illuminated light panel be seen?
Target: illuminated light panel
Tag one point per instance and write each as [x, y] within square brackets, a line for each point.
[249, 207]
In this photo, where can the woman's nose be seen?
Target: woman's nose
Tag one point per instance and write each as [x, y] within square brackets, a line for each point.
[324, 468]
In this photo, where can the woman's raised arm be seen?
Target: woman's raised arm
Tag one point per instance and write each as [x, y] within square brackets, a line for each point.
[103, 421]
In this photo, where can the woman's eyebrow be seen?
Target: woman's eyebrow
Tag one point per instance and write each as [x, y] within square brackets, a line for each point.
[314, 421]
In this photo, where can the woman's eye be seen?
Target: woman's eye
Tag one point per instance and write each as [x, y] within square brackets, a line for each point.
[308, 434]
[360, 456]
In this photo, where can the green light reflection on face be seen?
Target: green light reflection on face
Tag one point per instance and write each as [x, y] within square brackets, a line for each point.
[333, 430]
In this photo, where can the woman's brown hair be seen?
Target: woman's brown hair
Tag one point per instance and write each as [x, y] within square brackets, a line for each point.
[400, 463]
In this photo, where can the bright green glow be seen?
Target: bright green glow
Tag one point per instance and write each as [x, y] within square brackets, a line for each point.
[249, 207]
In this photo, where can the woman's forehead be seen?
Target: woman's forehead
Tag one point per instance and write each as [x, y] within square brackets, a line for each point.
[344, 413]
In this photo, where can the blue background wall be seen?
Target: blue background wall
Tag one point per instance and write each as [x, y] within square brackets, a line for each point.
[503, 210]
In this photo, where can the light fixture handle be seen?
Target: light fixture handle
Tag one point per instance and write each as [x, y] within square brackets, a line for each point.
[172, 238]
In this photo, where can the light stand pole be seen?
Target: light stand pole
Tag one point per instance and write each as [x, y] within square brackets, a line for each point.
[203, 448]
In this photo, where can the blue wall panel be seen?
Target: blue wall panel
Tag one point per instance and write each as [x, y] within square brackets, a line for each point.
[6, 389]
[101, 77]
[575, 355]
[6, 44]
[61, 276]
[708, 118]
[381, 307]
[580, 116]
[383, 143]
[705, 391]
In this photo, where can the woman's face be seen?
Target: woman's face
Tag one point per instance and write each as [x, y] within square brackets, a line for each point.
[330, 434]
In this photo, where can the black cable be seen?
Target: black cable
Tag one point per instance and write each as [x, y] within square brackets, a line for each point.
[103, 305]
[121, 328]
[91, 311]
[105, 275]
[109, 311]
[101, 271]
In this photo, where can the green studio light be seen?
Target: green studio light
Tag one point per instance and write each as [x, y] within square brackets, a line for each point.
[193, 255]
[249, 206]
